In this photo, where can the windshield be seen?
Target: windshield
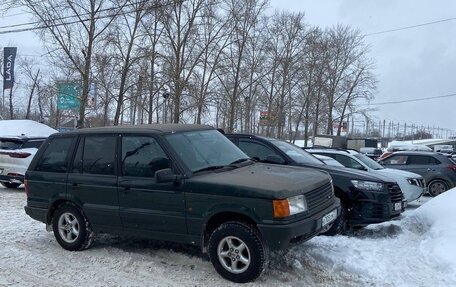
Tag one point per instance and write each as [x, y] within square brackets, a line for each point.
[296, 153]
[205, 149]
[368, 161]
[10, 144]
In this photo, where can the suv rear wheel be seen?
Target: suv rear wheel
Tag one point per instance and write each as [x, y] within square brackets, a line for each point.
[10, 184]
[71, 229]
[237, 252]
[437, 187]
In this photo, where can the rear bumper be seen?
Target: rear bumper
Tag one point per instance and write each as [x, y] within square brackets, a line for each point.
[12, 178]
[280, 236]
[36, 213]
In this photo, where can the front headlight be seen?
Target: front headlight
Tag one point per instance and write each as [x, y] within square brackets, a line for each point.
[290, 206]
[297, 204]
[367, 185]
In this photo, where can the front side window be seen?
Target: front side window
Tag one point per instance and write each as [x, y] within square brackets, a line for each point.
[55, 157]
[98, 154]
[348, 162]
[396, 160]
[142, 156]
[256, 150]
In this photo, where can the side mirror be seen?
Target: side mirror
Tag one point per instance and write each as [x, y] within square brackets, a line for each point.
[275, 159]
[166, 176]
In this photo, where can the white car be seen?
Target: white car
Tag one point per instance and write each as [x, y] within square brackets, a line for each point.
[16, 153]
[411, 184]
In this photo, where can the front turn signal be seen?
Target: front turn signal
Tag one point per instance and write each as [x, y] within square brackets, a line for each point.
[281, 208]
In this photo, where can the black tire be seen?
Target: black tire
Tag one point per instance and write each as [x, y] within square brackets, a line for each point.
[436, 187]
[340, 225]
[255, 250]
[67, 220]
[10, 184]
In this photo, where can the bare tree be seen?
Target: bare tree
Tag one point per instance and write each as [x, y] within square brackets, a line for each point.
[72, 29]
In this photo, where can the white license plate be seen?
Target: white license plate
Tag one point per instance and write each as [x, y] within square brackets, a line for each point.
[328, 218]
[397, 206]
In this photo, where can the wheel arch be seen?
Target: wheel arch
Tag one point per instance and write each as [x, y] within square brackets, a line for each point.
[218, 219]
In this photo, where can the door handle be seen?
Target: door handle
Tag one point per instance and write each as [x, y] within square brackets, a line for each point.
[74, 184]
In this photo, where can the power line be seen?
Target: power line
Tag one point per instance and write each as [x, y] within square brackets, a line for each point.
[411, 100]
[27, 29]
[410, 27]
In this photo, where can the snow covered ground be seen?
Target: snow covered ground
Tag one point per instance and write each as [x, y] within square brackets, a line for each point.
[417, 250]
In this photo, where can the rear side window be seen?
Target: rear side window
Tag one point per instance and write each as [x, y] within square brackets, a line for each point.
[56, 156]
[142, 156]
[33, 144]
[422, 160]
[98, 155]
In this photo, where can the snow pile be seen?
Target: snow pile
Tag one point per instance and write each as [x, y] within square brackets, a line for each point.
[417, 250]
[439, 240]
[25, 127]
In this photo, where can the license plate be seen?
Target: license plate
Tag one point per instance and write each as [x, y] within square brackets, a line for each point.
[397, 206]
[328, 218]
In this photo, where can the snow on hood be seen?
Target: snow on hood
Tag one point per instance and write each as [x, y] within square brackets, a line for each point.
[439, 216]
[25, 127]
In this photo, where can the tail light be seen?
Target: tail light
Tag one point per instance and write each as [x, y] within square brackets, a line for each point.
[20, 154]
[452, 167]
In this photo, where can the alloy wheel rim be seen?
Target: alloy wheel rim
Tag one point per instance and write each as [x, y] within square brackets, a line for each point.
[68, 226]
[438, 188]
[233, 254]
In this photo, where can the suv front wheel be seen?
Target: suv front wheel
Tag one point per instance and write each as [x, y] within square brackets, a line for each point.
[237, 252]
[71, 229]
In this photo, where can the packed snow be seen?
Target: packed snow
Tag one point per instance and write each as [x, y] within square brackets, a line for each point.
[25, 127]
[417, 250]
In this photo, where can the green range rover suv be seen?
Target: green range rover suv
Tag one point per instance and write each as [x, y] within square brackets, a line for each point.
[180, 183]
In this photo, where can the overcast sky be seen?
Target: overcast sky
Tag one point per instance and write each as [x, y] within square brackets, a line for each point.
[413, 63]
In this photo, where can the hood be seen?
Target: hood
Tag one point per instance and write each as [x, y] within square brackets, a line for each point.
[397, 172]
[261, 181]
[349, 173]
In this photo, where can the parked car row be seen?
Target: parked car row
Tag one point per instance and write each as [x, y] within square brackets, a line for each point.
[411, 184]
[236, 196]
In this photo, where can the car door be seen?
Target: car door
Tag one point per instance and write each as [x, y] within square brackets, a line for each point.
[145, 205]
[423, 165]
[49, 176]
[92, 181]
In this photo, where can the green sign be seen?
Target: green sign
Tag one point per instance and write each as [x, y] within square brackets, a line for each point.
[68, 96]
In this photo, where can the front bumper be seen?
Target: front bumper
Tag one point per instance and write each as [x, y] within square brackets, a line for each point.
[280, 235]
[377, 207]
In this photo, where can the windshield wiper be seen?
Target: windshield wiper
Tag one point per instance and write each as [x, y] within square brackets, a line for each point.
[239, 161]
[208, 168]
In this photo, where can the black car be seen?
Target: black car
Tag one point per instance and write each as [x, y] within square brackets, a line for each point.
[180, 183]
[438, 170]
[365, 198]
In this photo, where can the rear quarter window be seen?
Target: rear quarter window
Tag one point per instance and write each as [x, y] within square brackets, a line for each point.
[56, 156]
